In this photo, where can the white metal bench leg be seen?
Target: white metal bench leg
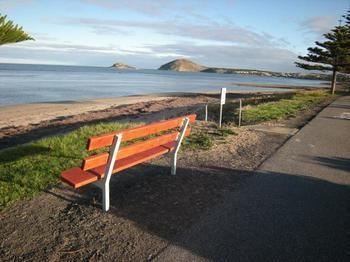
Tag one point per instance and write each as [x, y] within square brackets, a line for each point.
[104, 184]
[178, 144]
[105, 197]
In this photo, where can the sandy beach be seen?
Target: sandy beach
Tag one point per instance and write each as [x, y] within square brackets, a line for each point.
[25, 114]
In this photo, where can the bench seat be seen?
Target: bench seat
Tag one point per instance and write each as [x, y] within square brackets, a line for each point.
[77, 177]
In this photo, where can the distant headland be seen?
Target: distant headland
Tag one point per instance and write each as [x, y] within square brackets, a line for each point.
[185, 65]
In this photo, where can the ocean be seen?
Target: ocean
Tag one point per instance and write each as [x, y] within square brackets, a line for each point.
[23, 83]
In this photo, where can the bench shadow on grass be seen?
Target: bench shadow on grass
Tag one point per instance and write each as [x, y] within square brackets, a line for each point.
[267, 216]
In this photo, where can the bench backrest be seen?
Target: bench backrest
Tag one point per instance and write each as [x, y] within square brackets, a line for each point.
[106, 140]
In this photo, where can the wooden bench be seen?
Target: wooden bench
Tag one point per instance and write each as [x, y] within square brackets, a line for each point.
[98, 168]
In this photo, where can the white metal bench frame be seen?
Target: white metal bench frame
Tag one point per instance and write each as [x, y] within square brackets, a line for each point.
[104, 183]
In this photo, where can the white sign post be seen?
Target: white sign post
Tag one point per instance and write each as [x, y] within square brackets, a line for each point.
[222, 102]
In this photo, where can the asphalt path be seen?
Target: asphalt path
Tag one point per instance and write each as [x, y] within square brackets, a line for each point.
[295, 207]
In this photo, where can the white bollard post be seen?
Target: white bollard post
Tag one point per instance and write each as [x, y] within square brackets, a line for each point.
[240, 113]
[206, 113]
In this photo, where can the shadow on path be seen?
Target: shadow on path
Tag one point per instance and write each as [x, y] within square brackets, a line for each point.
[234, 215]
[340, 163]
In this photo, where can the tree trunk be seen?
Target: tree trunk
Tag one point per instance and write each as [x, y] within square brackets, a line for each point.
[334, 80]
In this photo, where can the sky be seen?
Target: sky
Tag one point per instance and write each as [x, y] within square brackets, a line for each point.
[252, 34]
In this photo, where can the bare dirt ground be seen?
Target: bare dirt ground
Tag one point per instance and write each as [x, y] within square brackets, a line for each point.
[149, 206]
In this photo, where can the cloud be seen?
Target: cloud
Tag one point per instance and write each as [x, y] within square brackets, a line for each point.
[277, 59]
[10, 4]
[318, 24]
[268, 58]
[149, 8]
[32, 61]
[211, 31]
[65, 47]
[76, 55]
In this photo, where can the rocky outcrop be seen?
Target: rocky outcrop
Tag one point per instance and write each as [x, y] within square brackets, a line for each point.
[122, 66]
[182, 65]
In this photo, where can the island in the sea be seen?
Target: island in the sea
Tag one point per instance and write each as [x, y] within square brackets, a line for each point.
[185, 65]
[122, 66]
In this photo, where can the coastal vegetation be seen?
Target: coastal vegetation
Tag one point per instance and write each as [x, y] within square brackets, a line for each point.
[276, 107]
[331, 55]
[283, 108]
[11, 33]
[204, 137]
[28, 169]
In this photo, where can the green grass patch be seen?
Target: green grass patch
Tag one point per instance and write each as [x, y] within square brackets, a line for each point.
[266, 108]
[28, 169]
[224, 131]
[230, 109]
[205, 138]
[283, 108]
[198, 141]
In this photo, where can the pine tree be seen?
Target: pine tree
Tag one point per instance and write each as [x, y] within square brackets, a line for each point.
[330, 55]
[347, 25]
[11, 33]
[347, 19]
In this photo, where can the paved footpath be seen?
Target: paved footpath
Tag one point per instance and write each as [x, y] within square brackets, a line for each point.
[296, 207]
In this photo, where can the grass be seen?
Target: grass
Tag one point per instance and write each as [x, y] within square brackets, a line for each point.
[198, 141]
[28, 169]
[205, 139]
[283, 108]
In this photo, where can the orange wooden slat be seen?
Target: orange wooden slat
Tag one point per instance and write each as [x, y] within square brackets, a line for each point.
[76, 177]
[137, 132]
[101, 159]
[135, 159]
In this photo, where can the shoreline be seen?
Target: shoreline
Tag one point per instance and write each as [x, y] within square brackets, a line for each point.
[23, 123]
[31, 122]
[35, 113]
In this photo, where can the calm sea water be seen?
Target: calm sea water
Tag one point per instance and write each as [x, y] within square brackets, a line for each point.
[21, 83]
